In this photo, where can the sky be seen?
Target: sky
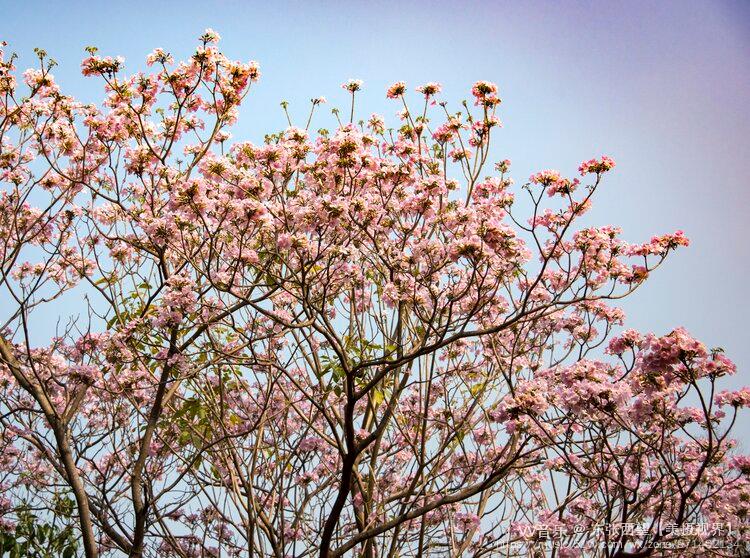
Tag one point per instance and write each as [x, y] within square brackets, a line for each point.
[662, 87]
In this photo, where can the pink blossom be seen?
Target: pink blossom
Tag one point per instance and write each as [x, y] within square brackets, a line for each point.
[396, 90]
[429, 89]
[596, 166]
[352, 85]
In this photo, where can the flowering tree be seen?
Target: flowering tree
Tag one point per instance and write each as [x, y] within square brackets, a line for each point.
[352, 345]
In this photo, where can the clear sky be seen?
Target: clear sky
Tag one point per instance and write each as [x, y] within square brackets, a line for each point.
[662, 87]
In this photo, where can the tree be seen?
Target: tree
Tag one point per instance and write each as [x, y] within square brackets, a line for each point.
[355, 343]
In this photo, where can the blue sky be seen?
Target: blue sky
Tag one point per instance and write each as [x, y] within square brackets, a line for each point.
[662, 87]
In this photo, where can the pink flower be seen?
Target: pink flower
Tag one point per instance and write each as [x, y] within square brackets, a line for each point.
[158, 55]
[396, 90]
[284, 241]
[738, 398]
[481, 89]
[545, 178]
[466, 521]
[376, 124]
[311, 443]
[741, 463]
[503, 166]
[352, 85]
[429, 89]
[596, 166]
[485, 94]
[210, 36]
[629, 339]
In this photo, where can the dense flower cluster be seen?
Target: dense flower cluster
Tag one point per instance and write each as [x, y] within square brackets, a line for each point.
[596, 166]
[349, 342]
